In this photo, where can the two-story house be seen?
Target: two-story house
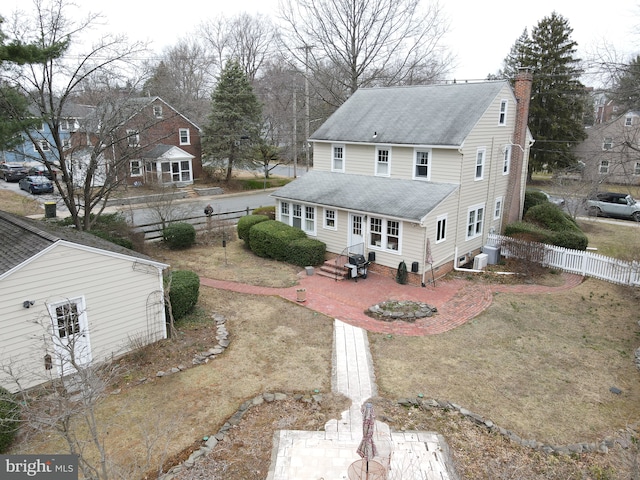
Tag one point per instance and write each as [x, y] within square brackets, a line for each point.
[147, 141]
[610, 151]
[420, 174]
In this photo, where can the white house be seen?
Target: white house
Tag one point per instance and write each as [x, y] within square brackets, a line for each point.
[420, 174]
[68, 297]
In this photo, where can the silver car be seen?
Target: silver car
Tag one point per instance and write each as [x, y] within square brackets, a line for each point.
[610, 204]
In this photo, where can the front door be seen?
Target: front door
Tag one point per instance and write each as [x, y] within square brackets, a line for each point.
[356, 229]
[70, 335]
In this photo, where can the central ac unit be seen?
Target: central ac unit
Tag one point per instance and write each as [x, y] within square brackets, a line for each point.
[480, 261]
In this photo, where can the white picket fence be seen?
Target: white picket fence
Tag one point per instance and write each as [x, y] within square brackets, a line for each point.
[573, 261]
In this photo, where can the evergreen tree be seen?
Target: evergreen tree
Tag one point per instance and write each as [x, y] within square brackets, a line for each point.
[14, 114]
[558, 97]
[515, 59]
[236, 116]
[626, 89]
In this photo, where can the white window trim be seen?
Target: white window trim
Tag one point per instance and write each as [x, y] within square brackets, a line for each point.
[636, 169]
[502, 114]
[483, 151]
[628, 121]
[313, 230]
[135, 134]
[157, 111]
[140, 167]
[603, 168]
[285, 215]
[335, 219]
[497, 212]
[506, 160]
[607, 143]
[383, 247]
[188, 142]
[387, 149]
[415, 163]
[442, 218]
[475, 208]
[333, 147]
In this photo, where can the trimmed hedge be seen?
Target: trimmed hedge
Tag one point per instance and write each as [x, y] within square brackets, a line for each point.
[268, 211]
[184, 292]
[549, 216]
[533, 198]
[533, 233]
[9, 419]
[179, 235]
[245, 223]
[271, 239]
[306, 251]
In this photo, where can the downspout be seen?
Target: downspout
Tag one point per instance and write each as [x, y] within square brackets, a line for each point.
[424, 256]
[455, 248]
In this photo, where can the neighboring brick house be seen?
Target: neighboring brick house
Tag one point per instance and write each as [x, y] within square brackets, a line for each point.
[610, 152]
[149, 142]
[420, 174]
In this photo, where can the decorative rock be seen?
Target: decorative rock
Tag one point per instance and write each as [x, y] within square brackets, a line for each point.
[160, 374]
[280, 396]
[258, 400]
[408, 311]
[175, 370]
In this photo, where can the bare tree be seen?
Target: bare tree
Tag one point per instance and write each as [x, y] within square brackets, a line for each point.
[363, 44]
[184, 77]
[51, 88]
[249, 40]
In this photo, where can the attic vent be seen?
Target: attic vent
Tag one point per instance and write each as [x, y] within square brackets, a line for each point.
[144, 268]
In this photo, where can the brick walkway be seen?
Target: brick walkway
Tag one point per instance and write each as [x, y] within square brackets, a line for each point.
[457, 300]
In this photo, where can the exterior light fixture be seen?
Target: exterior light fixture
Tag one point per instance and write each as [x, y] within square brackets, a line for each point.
[27, 303]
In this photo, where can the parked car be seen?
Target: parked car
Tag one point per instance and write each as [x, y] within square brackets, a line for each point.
[612, 204]
[36, 184]
[12, 172]
[41, 170]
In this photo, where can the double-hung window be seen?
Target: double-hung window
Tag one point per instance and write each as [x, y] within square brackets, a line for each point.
[506, 161]
[297, 216]
[497, 210]
[310, 219]
[330, 219]
[421, 169]
[383, 161]
[475, 221]
[636, 169]
[480, 154]
[441, 228]
[284, 213]
[185, 137]
[157, 111]
[384, 234]
[135, 168]
[604, 166]
[337, 158]
[502, 118]
[133, 138]
[607, 144]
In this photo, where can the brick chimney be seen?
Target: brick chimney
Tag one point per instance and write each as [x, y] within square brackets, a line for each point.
[518, 169]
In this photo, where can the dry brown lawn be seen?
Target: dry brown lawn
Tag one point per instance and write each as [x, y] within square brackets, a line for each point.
[19, 204]
[541, 366]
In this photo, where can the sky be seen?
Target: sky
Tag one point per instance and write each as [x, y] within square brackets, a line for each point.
[480, 34]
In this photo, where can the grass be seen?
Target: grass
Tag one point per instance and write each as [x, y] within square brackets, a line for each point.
[19, 204]
[621, 240]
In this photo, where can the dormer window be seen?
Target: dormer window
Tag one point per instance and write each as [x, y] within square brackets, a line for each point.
[502, 119]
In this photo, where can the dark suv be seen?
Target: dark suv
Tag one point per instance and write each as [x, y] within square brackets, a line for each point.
[619, 205]
[12, 172]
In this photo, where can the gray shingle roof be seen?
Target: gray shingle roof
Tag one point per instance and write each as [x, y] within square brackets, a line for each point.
[416, 115]
[389, 197]
[21, 238]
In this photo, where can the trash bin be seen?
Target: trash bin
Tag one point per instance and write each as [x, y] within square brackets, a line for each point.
[49, 209]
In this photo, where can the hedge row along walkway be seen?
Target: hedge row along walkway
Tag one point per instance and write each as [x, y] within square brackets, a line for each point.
[457, 300]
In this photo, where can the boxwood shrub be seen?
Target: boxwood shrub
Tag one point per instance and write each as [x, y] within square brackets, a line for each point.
[271, 239]
[245, 223]
[533, 198]
[268, 211]
[184, 292]
[306, 251]
[179, 235]
[9, 418]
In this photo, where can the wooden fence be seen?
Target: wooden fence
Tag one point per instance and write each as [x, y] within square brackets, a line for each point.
[217, 221]
[573, 261]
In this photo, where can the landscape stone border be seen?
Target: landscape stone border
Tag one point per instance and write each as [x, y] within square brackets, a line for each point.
[625, 438]
[404, 310]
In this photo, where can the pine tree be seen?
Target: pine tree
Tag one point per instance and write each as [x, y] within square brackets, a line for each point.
[515, 59]
[236, 116]
[557, 104]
